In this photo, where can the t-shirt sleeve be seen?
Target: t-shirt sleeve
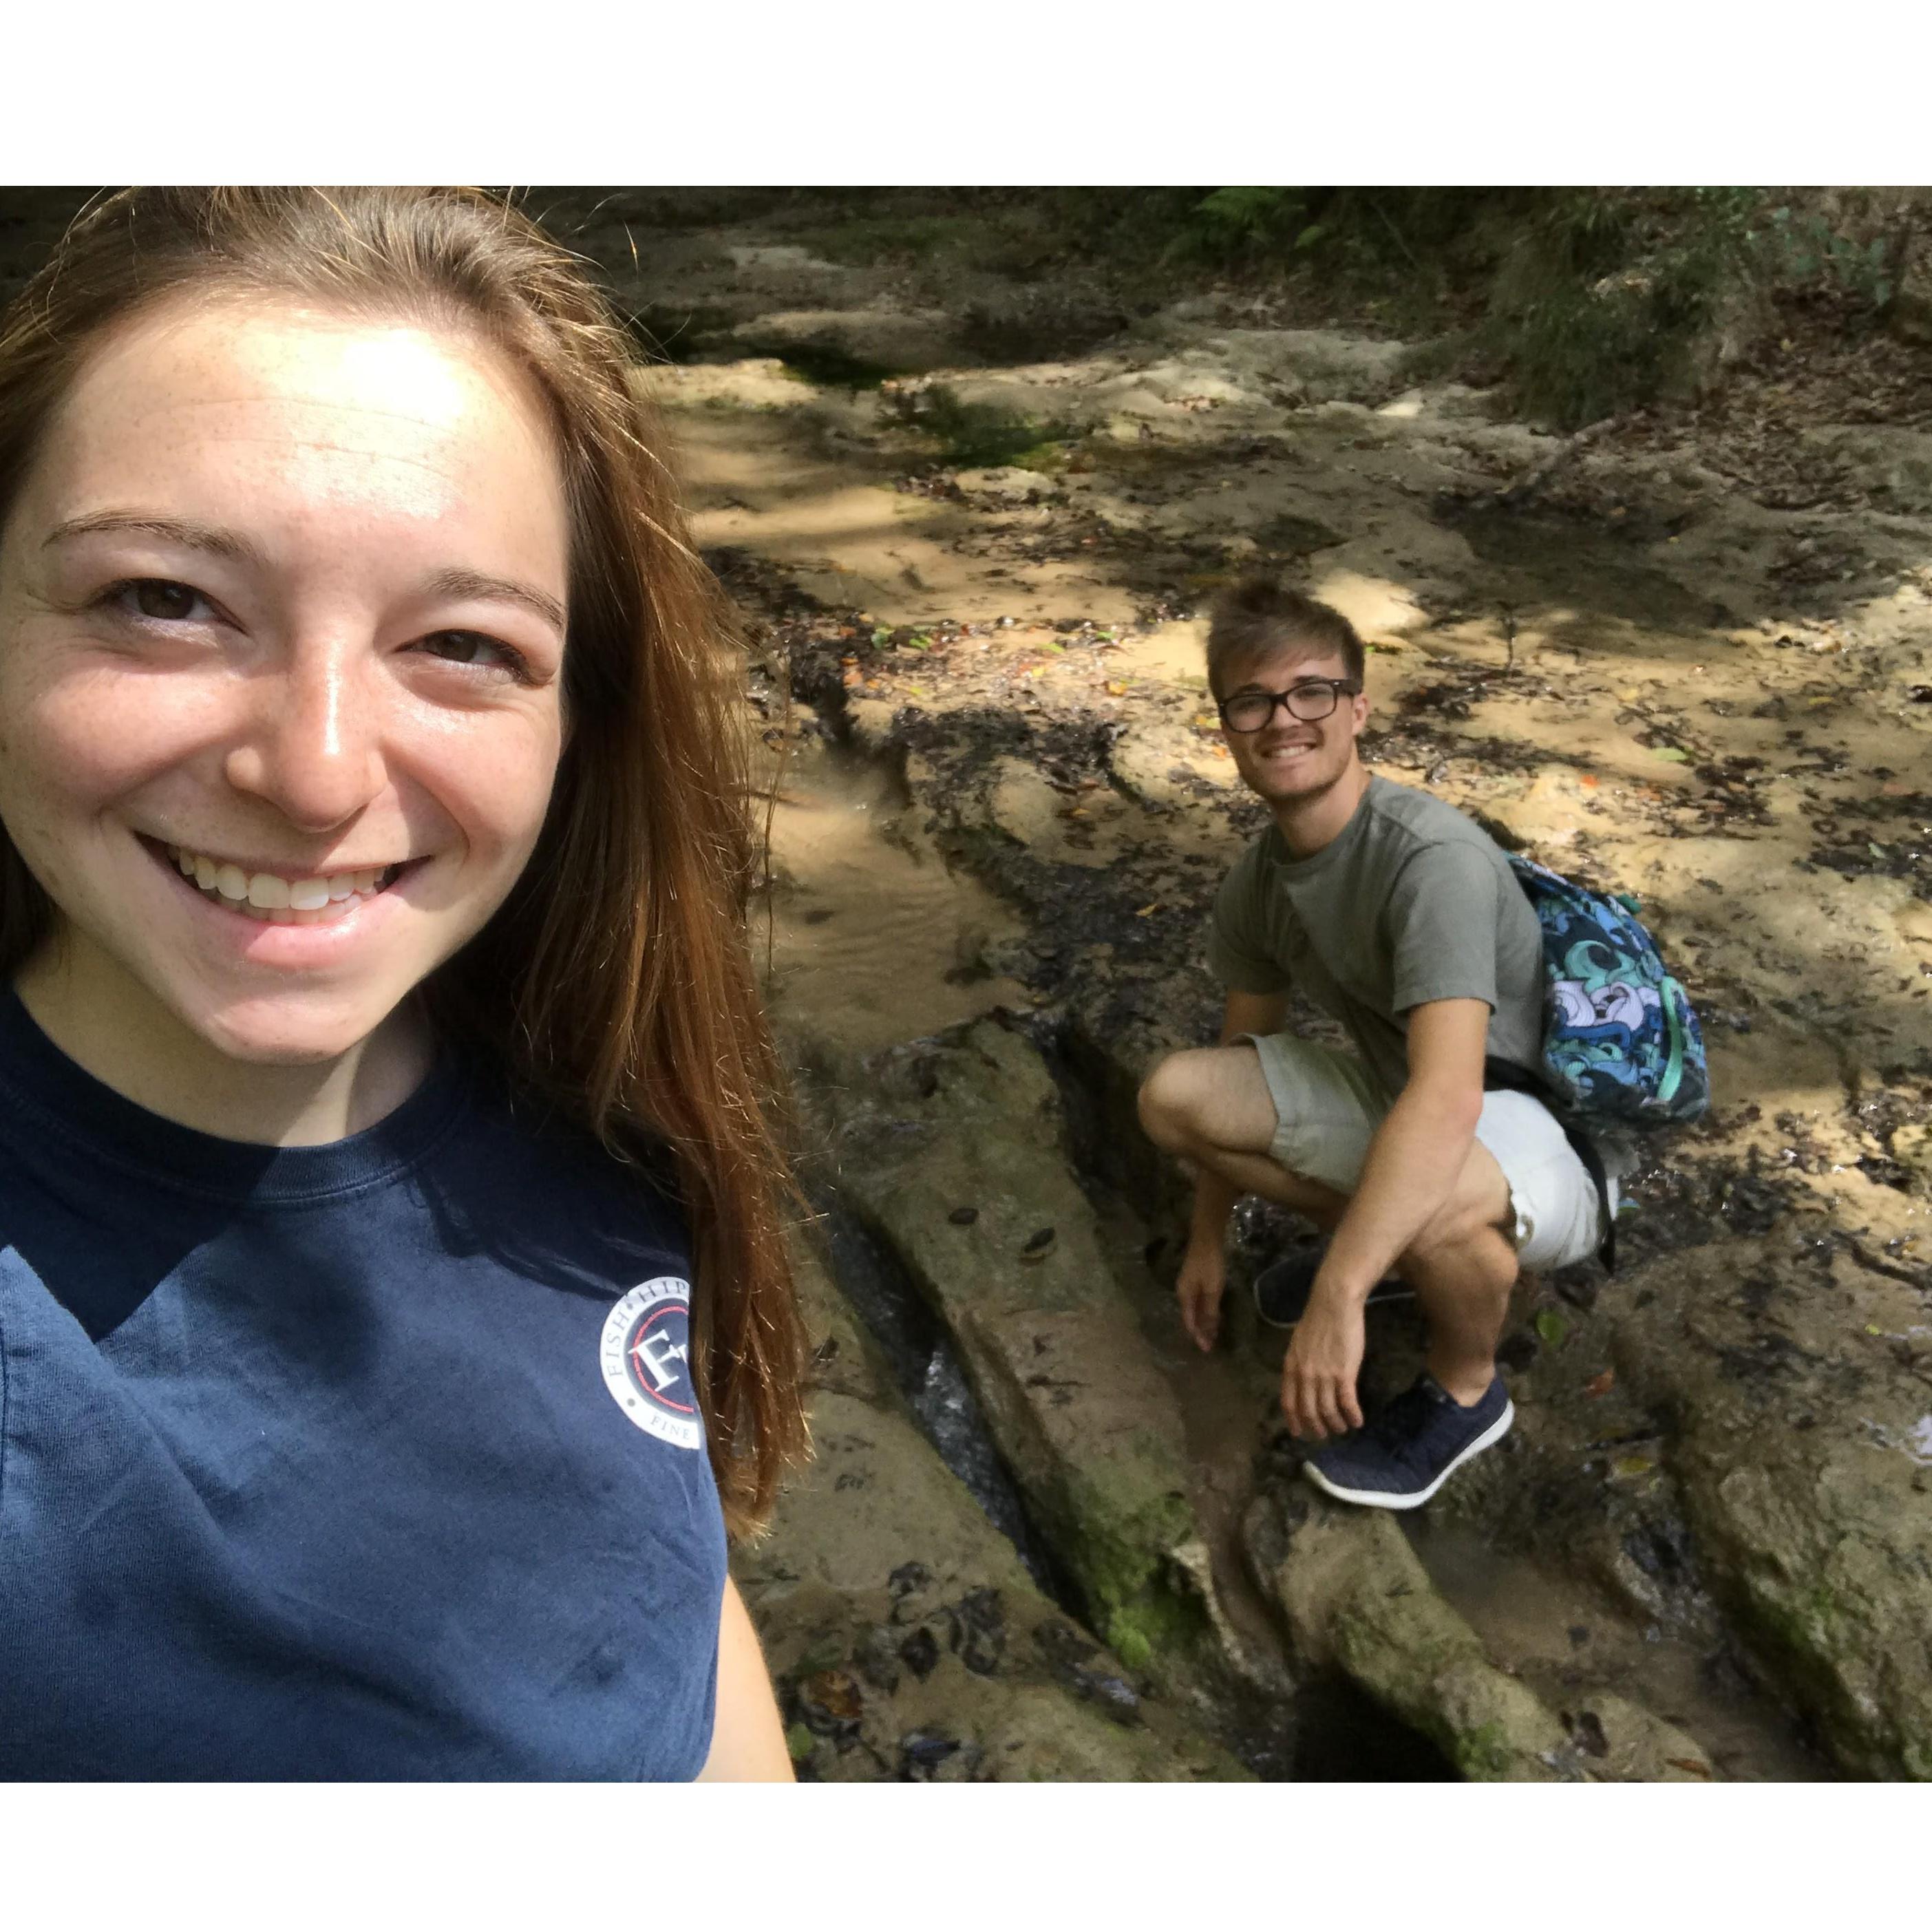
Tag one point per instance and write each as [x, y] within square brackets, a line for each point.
[1238, 955]
[1442, 928]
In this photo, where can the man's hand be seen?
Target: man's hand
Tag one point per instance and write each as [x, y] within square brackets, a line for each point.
[1204, 1273]
[1318, 1379]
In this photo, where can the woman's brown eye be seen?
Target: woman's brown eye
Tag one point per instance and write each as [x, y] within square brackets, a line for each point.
[154, 597]
[473, 650]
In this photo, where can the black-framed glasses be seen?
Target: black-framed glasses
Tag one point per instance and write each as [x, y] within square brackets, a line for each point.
[1310, 699]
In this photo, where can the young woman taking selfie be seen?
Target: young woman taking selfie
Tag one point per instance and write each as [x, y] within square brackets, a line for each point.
[393, 1310]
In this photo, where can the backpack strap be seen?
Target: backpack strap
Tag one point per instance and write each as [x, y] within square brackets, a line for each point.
[1504, 1075]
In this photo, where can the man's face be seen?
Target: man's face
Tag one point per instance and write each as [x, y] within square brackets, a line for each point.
[1291, 760]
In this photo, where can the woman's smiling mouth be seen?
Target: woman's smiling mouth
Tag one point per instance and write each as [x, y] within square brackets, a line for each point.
[277, 898]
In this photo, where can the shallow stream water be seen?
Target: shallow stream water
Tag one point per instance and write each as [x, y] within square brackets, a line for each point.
[927, 1368]
[872, 940]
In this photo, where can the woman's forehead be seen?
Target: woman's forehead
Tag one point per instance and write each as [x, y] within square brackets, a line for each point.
[236, 394]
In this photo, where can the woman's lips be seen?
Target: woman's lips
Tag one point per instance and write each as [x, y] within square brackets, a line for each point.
[269, 899]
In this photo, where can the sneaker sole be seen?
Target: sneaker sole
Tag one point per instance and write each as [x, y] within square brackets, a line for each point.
[1415, 1498]
[1401, 1292]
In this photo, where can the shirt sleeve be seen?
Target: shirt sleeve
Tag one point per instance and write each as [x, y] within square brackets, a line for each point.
[1442, 928]
[1238, 954]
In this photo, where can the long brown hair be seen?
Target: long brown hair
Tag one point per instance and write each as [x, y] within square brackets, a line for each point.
[616, 979]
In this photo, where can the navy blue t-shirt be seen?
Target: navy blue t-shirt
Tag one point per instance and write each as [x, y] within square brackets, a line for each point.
[374, 1460]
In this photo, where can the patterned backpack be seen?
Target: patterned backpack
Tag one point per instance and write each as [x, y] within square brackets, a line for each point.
[1620, 1042]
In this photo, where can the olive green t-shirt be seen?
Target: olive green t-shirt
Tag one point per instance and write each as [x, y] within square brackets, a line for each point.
[1410, 902]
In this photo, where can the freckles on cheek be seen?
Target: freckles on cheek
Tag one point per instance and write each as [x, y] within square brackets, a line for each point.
[500, 792]
[97, 739]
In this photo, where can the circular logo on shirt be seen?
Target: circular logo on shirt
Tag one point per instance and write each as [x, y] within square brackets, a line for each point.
[647, 1361]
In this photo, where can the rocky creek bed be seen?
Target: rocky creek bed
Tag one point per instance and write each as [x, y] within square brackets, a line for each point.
[1044, 1538]
[1706, 1550]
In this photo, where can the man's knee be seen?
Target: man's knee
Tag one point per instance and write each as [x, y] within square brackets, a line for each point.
[1170, 1101]
[1204, 1097]
[1464, 1232]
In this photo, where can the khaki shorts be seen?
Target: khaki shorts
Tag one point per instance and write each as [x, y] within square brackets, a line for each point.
[1327, 1111]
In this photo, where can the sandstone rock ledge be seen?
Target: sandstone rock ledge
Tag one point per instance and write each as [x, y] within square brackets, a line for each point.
[1355, 1597]
[906, 1640]
[958, 1160]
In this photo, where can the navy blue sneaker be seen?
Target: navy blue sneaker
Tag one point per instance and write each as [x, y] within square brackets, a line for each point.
[1404, 1454]
[1283, 1287]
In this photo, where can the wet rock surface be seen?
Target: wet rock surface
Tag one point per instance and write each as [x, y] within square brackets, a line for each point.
[906, 1639]
[1355, 1597]
[958, 1157]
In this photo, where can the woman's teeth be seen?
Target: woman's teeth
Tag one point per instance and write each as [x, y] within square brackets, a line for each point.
[277, 901]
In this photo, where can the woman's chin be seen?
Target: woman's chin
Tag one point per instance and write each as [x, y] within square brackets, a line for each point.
[257, 1035]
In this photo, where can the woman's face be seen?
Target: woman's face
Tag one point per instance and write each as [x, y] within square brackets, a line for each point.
[282, 609]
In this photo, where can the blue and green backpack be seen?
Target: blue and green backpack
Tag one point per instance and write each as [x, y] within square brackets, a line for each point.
[1620, 1041]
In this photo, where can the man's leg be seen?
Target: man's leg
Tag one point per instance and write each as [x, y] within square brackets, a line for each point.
[1524, 1178]
[1462, 1267]
[1211, 1108]
[1243, 1115]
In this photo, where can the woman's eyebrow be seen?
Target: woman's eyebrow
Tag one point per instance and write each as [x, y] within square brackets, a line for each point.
[459, 583]
[455, 582]
[190, 535]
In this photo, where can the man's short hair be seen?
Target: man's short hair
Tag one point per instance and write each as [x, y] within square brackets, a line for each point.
[1259, 616]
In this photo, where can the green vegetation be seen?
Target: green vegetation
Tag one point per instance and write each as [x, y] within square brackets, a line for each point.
[825, 362]
[1482, 1755]
[1146, 1619]
[1587, 302]
[1607, 301]
[982, 435]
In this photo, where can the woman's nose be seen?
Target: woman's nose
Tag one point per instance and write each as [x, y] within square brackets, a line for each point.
[314, 749]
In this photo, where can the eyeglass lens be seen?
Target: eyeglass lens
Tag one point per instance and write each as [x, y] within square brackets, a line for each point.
[1309, 702]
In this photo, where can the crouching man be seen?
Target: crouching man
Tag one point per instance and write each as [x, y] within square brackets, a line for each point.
[1396, 914]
